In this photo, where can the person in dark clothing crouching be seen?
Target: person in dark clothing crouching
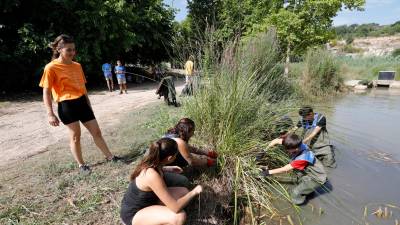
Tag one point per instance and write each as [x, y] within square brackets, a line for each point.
[148, 200]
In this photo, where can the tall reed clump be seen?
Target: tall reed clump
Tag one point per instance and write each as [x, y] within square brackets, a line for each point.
[321, 75]
[240, 96]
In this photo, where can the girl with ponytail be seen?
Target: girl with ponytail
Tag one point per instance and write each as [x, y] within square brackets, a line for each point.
[148, 200]
[189, 155]
[63, 81]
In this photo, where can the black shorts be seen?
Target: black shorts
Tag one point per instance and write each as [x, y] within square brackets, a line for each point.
[74, 110]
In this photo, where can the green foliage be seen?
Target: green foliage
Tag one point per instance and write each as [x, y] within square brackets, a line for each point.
[236, 100]
[367, 67]
[396, 52]
[367, 30]
[321, 73]
[299, 24]
[103, 31]
[349, 40]
[349, 48]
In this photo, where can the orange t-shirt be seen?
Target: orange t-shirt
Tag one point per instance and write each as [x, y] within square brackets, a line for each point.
[66, 81]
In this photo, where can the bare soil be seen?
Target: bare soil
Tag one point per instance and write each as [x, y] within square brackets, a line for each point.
[25, 132]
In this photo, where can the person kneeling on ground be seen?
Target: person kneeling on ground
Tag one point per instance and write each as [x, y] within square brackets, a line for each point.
[309, 170]
[315, 135]
[148, 200]
[189, 155]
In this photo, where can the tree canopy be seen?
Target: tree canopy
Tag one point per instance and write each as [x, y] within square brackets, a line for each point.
[298, 23]
[136, 31]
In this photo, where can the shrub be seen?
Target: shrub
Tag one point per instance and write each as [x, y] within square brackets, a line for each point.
[396, 52]
[321, 73]
[234, 106]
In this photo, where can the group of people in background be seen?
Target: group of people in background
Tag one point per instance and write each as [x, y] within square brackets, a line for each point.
[120, 72]
[157, 186]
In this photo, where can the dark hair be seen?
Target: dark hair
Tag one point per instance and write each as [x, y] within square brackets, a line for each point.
[292, 141]
[305, 110]
[183, 128]
[59, 43]
[158, 151]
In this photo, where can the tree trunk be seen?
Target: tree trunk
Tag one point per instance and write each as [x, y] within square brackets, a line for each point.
[287, 61]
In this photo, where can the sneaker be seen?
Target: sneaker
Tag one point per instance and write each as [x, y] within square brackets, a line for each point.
[84, 169]
[115, 159]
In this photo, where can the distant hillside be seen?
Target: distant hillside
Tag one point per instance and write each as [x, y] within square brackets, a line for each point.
[367, 46]
[366, 30]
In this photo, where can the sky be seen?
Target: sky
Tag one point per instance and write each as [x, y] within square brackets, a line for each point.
[376, 11]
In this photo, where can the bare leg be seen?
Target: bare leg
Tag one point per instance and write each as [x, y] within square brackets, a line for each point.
[75, 141]
[94, 129]
[164, 215]
[120, 88]
[124, 85]
[112, 84]
[108, 84]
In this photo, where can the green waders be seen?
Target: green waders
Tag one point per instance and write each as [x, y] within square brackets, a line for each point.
[313, 177]
[320, 146]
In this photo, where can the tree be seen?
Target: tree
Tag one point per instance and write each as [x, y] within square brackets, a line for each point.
[137, 30]
[304, 23]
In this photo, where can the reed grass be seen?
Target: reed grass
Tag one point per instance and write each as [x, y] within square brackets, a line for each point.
[240, 97]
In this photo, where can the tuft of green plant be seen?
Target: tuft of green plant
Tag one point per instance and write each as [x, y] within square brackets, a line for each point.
[349, 48]
[396, 52]
[241, 96]
[321, 73]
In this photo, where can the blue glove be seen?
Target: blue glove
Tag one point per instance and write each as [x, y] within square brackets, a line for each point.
[264, 172]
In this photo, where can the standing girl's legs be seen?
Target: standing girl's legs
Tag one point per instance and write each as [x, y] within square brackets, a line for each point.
[94, 130]
[75, 141]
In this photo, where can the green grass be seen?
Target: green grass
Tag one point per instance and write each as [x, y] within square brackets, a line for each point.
[367, 68]
[241, 97]
[320, 76]
[39, 189]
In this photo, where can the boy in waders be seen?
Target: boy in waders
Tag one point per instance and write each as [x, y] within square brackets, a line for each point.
[310, 173]
[315, 135]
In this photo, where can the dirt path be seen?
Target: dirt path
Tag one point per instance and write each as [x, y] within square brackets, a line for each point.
[24, 130]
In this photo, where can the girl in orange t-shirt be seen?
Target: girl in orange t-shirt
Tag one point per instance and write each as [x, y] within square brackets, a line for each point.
[64, 80]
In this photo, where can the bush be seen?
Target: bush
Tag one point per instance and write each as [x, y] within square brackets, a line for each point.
[396, 52]
[351, 49]
[236, 103]
[349, 40]
[321, 73]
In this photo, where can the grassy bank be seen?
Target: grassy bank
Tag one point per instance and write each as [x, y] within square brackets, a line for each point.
[47, 189]
[367, 68]
[357, 68]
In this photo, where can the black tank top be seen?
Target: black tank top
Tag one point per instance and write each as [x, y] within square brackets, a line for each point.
[135, 200]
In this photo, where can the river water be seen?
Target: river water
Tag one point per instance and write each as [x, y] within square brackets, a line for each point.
[365, 128]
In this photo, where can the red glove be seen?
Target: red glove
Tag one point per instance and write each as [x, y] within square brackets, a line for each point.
[212, 154]
[211, 162]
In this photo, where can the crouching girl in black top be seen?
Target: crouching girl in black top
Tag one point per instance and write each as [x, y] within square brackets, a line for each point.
[148, 200]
